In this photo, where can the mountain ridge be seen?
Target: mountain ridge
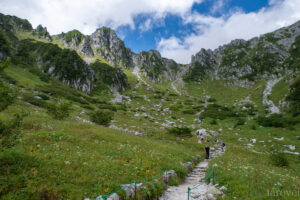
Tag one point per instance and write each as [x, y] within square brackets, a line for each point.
[239, 62]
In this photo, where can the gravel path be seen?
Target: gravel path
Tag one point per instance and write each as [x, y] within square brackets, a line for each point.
[194, 178]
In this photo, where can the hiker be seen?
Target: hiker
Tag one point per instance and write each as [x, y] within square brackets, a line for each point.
[216, 140]
[223, 146]
[207, 151]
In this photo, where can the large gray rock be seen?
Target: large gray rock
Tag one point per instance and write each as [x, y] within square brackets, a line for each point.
[130, 189]
[112, 197]
[168, 175]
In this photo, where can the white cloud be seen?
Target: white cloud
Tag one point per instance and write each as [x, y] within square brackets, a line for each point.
[146, 25]
[87, 15]
[217, 6]
[212, 32]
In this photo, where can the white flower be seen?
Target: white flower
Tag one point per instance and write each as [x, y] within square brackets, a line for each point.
[67, 162]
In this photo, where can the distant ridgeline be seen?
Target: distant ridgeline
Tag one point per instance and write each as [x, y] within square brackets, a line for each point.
[80, 60]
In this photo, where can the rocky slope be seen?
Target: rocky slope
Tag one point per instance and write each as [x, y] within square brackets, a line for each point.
[105, 43]
[244, 62]
[63, 64]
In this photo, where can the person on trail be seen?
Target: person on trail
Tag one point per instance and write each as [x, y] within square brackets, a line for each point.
[223, 146]
[216, 140]
[207, 151]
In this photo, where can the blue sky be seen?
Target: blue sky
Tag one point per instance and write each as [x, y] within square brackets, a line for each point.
[178, 29]
[173, 25]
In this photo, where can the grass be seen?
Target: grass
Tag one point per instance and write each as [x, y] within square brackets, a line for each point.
[249, 172]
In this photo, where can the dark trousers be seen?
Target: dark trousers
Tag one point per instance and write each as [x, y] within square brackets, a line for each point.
[207, 153]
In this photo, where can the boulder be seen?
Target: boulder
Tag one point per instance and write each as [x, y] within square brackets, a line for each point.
[168, 175]
[214, 191]
[130, 189]
[111, 197]
[202, 132]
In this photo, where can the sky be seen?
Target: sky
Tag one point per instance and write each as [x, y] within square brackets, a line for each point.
[178, 29]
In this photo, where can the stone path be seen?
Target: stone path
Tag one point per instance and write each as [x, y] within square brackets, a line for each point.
[194, 178]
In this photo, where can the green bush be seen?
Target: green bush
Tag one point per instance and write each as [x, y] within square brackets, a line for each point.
[216, 111]
[214, 122]
[184, 131]
[294, 98]
[44, 97]
[239, 122]
[34, 100]
[211, 99]
[276, 120]
[279, 159]
[9, 131]
[7, 96]
[102, 117]
[59, 111]
[107, 107]
[190, 112]
[43, 77]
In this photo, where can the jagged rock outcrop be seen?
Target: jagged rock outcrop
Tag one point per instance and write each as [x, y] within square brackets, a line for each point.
[86, 48]
[42, 32]
[107, 45]
[244, 62]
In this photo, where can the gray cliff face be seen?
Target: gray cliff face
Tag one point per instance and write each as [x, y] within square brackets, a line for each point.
[244, 62]
[86, 48]
[110, 47]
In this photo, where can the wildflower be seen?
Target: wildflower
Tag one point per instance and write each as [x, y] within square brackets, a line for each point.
[67, 162]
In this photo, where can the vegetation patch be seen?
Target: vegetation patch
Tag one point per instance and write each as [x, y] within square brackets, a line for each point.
[102, 117]
[184, 131]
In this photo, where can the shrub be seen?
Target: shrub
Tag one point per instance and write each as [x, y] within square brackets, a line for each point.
[43, 77]
[184, 131]
[211, 99]
[216, 111]
[10, 131]
[102, 117]
[34, 101]
[279, 159]
[7, 96]
[214, 122]
[253, 127]
[121, 107]
[44, 97]
[294, 98]
[276, 120]
[239, 122]
[107, 107]
[59, 111]
[191, 112]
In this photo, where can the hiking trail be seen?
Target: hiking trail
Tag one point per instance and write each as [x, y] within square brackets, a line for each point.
[194, 178]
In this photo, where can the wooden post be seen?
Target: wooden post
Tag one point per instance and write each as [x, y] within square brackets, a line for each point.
[189, 189]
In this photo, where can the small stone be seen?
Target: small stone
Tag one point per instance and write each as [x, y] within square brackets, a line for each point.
[213, 190]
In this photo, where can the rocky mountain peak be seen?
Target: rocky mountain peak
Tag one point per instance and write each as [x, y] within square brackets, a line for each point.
[42, 32]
